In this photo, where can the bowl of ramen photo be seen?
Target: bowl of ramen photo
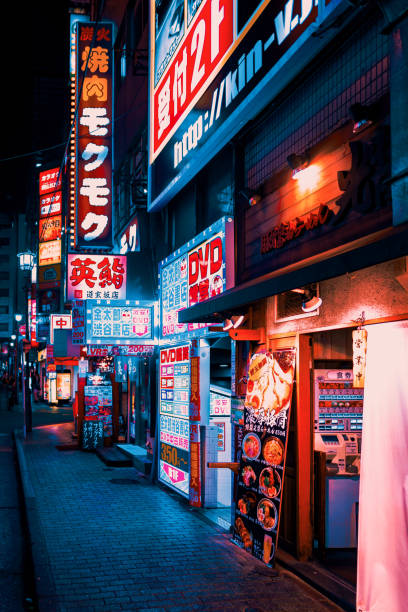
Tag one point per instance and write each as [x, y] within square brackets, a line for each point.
[266, 514]
[251, 446]
[272, 451]
[248, 476]
[269, 482]
[247, 502]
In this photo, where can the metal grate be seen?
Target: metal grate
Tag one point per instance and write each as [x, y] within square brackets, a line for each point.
[354, 71]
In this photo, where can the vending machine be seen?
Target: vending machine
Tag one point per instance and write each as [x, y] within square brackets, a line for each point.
[338, 422]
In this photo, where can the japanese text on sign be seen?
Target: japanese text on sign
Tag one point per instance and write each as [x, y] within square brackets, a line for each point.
[96, 277]
[94, 145]
[120, 322]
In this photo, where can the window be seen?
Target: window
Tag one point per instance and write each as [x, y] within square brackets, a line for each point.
[4, 310]
[4, 326]
[4, 275]
[4, 241]
[4, 292]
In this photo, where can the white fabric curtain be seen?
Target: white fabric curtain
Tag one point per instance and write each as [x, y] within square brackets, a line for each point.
[382, 571]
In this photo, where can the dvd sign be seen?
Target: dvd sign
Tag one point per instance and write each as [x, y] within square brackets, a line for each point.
[205, 278]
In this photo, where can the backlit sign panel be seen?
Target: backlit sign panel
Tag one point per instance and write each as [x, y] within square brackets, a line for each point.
[51, 204]
[125, 321]
[174, 426]
[94, 150]
[213, 70]
[59, 321]
[50, 229]
[49, 180]
[199, 270]
[130, 239]
[49, 252]
[96, 277]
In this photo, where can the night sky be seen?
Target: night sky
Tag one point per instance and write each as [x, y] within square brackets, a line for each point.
[34, 51]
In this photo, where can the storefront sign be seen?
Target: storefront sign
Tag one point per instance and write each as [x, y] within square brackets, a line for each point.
[49, 252]
[59, 321]
[130, 239]
[78, 322]
[195, 416]
[174, 415]
[104, 350]
[49, 274]
[199, 270]
[262, 465]
[51, 204]
[124, 320]
[33, 318]
[211, 73]
[96, 277]
[50, 354]
[94, 151]
[48, 301]
[49, 229]
[49, 180]
[220, 405]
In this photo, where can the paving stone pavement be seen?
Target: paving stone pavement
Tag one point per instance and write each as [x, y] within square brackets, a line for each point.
[132, 545]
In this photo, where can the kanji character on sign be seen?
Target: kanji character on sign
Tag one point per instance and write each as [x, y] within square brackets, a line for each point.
[95, 119]
[98, 59]
[93, 149]
[95, 86]
[118, 272]
[180, 82]
[101, 221]
[133, 237]
[95, 189]
[87, 33]
[163, 111]
[82, 271]
[103, 34]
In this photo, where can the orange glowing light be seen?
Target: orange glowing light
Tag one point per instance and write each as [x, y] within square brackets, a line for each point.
[307, 178]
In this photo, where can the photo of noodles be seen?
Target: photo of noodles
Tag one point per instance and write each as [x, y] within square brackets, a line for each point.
[269, 482]
[269, 387]
[266, 514]
[273, 451]
[248, 476]
[251, 446]
[246, 503]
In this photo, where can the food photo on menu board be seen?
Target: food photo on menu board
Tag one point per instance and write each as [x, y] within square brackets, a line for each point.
[261, 472]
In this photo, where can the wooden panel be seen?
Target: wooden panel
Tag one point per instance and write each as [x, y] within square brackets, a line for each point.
[304, 449]
[333, 345]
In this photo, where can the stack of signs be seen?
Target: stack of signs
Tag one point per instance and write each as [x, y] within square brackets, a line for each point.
[78, 321]
[262, 465]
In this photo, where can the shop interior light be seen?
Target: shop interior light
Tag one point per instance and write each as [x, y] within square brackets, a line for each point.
[361, 117]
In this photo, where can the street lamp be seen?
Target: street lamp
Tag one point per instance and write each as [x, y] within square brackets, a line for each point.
[26, 263]
[13, 336]
[18, 317]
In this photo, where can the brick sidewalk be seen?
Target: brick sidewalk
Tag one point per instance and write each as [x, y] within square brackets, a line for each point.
[106, 539]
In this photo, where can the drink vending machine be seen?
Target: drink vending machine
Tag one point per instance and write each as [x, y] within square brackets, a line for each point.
[338, 422]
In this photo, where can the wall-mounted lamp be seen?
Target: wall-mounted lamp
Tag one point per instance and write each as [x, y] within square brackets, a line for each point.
[311, 301]
[361, 117]
[233, 322]
[250, 197]
[298, 163]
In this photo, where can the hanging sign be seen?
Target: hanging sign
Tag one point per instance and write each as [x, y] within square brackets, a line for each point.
[96, 277]
[130, 239]
[121, 320]
[49, 180]
[49, 252]
[51, 204]
[59, 321]
[262, 465]
[50, 229]
[78, 322]
[94, 150]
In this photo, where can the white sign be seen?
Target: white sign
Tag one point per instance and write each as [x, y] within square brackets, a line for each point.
[59, 321]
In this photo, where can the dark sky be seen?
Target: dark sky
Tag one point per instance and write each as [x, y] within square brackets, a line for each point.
[34, 51]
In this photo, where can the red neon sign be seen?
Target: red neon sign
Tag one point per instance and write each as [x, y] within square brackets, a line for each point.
[49, 180]
[94, 143]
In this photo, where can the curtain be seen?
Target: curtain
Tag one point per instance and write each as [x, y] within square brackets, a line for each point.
[382, 569]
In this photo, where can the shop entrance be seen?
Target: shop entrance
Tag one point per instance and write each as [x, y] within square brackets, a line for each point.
[337, 425]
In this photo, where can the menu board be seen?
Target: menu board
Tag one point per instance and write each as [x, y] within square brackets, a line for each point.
[262, 464]
[174, 417]
[98, 405]
[338, 404]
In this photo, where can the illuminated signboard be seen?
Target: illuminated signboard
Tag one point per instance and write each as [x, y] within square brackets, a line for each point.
[49, 180]
[51, 204]
[94, 150]
[63, 385]
[174, 417]
[199, 270]
[50, 229]
[96, 277]
[130, 239]
[33, 320]
[120, 321]
[49, 252]
[59, 321]
[214, 69]
[220, 405]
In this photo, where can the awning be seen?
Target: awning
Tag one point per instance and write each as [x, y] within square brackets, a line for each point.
[385, 245]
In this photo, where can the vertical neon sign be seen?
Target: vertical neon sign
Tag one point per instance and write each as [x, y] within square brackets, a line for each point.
[94, 135]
